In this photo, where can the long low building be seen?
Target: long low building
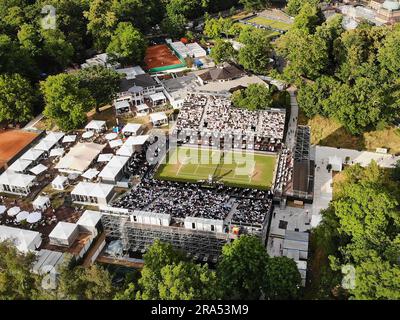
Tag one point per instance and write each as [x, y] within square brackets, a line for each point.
[16, 183]
[92, 193]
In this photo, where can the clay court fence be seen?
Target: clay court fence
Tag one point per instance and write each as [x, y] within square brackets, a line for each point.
[173, 66]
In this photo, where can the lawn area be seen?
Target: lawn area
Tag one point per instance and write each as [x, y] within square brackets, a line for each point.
[231, 168]
[271, 23]
[328, 132]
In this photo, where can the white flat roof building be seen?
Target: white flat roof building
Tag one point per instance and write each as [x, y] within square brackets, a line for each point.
[59, 182]
[89, 221]
[96, 125]
[114, 169]
[64, 234]
[24, 240]
[159, 118]
[92, 193]
[132, 129]
[131, 72]
[16, 183]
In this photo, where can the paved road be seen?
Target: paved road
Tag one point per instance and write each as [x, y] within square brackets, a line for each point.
[294, 112]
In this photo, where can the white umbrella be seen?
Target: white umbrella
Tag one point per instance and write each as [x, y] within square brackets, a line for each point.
[88, 134]
[13, 211]
[3, 209]
[111, 136]
[34, 217]
[22, 216]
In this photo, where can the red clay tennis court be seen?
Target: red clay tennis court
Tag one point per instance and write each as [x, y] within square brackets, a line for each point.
[160, 56]
[12, 142]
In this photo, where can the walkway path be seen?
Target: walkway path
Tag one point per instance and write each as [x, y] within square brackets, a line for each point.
[33, 122]
[294, 112]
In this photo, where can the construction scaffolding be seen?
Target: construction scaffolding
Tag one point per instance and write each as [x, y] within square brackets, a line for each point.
[302, 150]
[137, 237]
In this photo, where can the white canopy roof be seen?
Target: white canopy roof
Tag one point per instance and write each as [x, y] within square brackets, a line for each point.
[121, 104]
[80, 157]
[70, 138]
[24, 240]
[38, 169]
[95, 125]
[136, 140]
[158, 96]
[59, 180]
[132, 128]
[63, 230]
[34, 217]
[115, 143]
[32, 154]
[41, 201]
[89, 218]
[20, 165]
[87, 135]
[97, 190]
[158, 116]
[125, 151]
[13, 211]
[142, 107]
[54, 136]
[90, 174]
[44, 145]
[111, 136]
[59, 152]
[22, 216]
[105, 157]
[113, 167]
[2, 209]
[16, 179]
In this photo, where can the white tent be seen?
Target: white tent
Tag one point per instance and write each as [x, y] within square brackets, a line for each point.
[96, 125]
[89, 220]
[136, 140]
[3, 209]
[41, 203]
[32, 155]
[54, 136]
[90, 174]
[58, 152]
[79, 158]
[158, 98]
[115, 143]
[22, 216]
[16, 183]
[132, 129]
[122, 105]
[38, 169]
[105, 157]
[87, 135]
[20, 165]
[34, 217]
[59, 182]
[113, 171]
[125, 151]
[64, 234]
[92, 193]
[159, 118]
[45, 145]
[111, 136]
[69, 139]
[24, 240]
[13, 211]
[142, 110]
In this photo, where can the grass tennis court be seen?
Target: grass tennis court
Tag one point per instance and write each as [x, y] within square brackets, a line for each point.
[271, 23]
[232, 168]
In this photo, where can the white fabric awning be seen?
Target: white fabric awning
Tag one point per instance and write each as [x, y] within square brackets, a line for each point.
[69, 139]
[90, 174]
[159, 96]
[132, 128]
[116, 143]
[111, 136]
[13, 211]
[32, 154]
[54, 136]
[159, 116]
[20, 165]
[3, 209]
[125, 151]
[38, 169]
[105, 157]
[136, 140]
[59, 152]
[87, 134]
[96, 125]
[41, 202]
[22, 216]
[59, 180]
[45, 145]
[34, 217]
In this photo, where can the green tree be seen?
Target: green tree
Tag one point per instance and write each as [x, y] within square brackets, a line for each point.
[223, 51]
[389, 53]
[103, 84]
[17, 282]
[188, 8]
[17, 98]
[251, 5]
[174, 25]
[127, 45]
[293, 7]
[309, 17]
[242, 268]
[256, 56]
[29, 39]
[284, 279]
[66, 103]
[254, 97]
[57, 49]
[187, 281]
[215, 28]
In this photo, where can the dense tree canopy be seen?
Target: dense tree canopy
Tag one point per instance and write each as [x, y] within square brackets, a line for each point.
[293, 7]
[223, 51]
[17, 98]
[254, 97]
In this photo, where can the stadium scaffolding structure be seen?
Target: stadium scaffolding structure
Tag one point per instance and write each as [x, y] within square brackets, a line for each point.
[302, 150]
[137, 237]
